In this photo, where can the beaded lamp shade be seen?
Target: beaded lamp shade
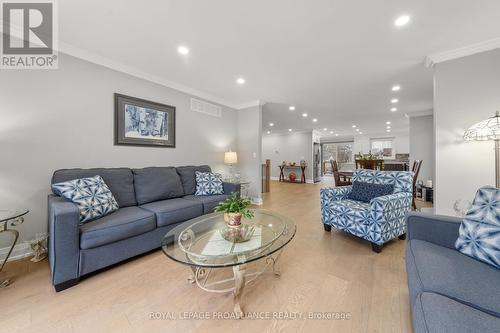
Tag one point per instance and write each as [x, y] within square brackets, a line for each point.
[485, 130]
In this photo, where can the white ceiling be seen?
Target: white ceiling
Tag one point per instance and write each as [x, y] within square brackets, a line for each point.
[335, 60]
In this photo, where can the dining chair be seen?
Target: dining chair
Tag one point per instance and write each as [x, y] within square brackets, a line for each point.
[416, 169]
[345, 181]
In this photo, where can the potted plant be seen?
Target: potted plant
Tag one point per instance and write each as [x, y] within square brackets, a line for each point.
[234, 208]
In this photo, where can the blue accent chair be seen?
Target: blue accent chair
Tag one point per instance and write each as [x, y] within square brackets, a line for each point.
[380, 220]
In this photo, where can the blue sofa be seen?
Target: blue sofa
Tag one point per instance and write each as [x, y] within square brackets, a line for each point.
[152, 201]
[380, 220]
[449, 291]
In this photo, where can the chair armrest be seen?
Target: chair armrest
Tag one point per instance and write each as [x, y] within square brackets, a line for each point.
[438, 229]
[231, 187]
[400, 200]
[329, 194]
[64, 239]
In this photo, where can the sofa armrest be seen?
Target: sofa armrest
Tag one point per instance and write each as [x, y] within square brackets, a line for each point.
[231, 187]
[438, 229]
[330, 194]
[64, 239]
[400, 200]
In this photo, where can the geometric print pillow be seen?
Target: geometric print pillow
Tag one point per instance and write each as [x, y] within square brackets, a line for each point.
[479, 235]
[91, 195]
[208, 183]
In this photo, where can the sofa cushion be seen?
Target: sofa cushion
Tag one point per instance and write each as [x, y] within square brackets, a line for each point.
[438, 269]
[437, 313]
[124, 223]
[119, 180]
[91, 195]
[188, 178]
[156, 183]
[208, 183]
[479, 235]
[174, 210]
[208, 201]
[365, 192]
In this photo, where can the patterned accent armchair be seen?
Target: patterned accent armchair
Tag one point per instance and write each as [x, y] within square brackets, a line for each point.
[380, 220]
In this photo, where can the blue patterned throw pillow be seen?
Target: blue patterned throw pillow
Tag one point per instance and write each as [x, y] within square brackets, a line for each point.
[365, 192]
[91, 195]
[208, 183]
[479, 235]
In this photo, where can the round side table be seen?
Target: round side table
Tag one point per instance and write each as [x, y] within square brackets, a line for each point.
[10, 218]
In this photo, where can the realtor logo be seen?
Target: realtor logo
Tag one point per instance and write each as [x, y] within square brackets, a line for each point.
[29, 35]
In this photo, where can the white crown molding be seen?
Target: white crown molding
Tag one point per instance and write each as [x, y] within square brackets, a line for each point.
[249, 104]
[136, 72]
[484, 46]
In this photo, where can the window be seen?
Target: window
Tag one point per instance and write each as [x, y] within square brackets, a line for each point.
[383, 148]
[339, 151]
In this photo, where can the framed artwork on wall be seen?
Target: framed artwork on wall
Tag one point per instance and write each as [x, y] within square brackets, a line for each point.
[143, 123]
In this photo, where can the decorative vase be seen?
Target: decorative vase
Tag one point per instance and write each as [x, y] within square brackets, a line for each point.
[292, 176]
[232, 219]
[237, 234]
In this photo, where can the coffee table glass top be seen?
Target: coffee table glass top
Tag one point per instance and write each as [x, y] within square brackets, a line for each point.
[7, 214]
[199, 242]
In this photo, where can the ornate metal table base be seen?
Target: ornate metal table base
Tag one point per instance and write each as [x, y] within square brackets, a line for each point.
[241, 277]
[4, 228]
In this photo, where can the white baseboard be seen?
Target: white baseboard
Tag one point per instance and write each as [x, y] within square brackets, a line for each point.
[257, 201]
[20, 251]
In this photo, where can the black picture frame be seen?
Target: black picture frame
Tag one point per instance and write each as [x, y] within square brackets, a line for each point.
[139, 122]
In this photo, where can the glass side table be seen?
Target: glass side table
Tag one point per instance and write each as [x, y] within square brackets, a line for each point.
[10, 218]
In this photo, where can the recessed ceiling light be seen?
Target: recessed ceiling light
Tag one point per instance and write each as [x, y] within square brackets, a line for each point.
[394, 100]
[396, 88]
[183, 50]
[337, 134]
[388, 127]
[268, 132]
[289, 130]
[325, 129]
[271, 124]
[315, 120]
[240, 81]
[304, 115]
[394, 109]
[360, 132]
[353, 126]
[387, 122]
[357, 129]
[388, 131]
[331, 132]
[402, 21]
[291, 108]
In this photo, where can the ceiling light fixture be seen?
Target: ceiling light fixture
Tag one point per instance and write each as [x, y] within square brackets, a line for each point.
[394, 100]
[240, 81]
[394, 109]
[402, 21]
[387, 122]
[337, 134]
[291, 108]
[357, 129]
[331, 132]
[388, 131]
[271, 124]
[360, 132]
[289, 130]
[353, 126]
[315, 120]
[268, 132]
[325, 129]
[183, 50]
[396, 88]
[304, 115]
[388, 127]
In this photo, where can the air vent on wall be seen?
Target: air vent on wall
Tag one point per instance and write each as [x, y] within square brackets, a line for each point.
[206, 108]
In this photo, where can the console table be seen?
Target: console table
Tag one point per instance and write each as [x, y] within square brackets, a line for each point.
[10, 218]
[290, 168]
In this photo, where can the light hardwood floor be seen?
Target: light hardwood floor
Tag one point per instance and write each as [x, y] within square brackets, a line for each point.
[321, 272]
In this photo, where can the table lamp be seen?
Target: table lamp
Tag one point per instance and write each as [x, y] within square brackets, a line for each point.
[488, 130]
[230, 157]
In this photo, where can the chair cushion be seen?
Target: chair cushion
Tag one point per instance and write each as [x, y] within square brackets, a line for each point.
[365, 192]
[209, 201]
[174, 210]
[351, 216]
[401, 180]
[188, 178]
[442, 270]
[119, 180]
[479, 235]
[91, 195]
[156, 183]
[124, 223]
[437, 313]
[208, 183]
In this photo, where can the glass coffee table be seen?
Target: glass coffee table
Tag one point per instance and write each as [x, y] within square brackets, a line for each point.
[10, 218]
[200, 244]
